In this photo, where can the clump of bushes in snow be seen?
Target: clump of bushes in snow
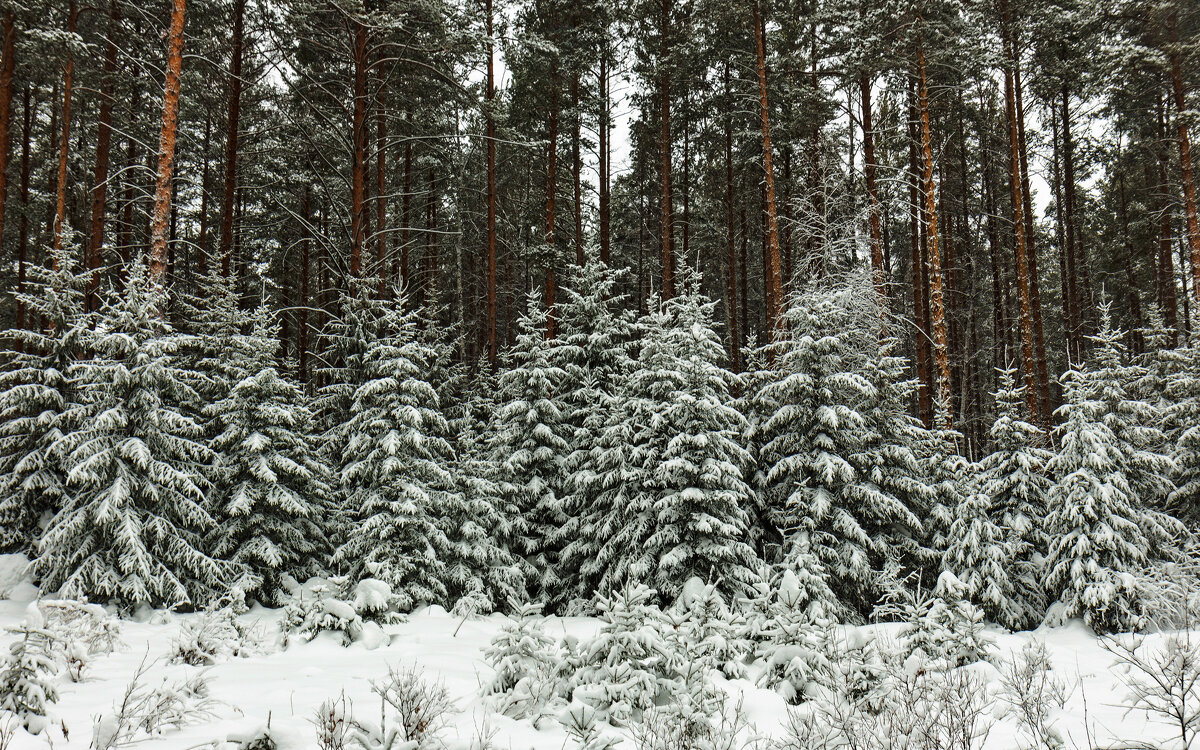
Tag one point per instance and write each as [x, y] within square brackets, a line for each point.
[352, 611]
[214, 636]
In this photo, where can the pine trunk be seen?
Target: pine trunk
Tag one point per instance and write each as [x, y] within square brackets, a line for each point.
[1185, 152]
[491, 189]
[873, 225]
[1039, 336]
[731, 297]
[666, 220]
[771, 267]
[358, 177]
[103, 145]
[64, 145]
[7, 69]
[381, 249]
[604, 158]
[937, 305]
[166, 147]
[551, 203]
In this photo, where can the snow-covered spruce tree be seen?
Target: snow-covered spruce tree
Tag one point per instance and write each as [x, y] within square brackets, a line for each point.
[393, 474]
[131, 528]
[672, 495]
[840, 473]
[1014, 477]
[980, 556]
[1093, 521]
[27, 674]
[269, 483]
[226, 344]
[530, 439]
[625, 666]
[1111, 379]
[36, 393]
[481, 573]
[1184, 410]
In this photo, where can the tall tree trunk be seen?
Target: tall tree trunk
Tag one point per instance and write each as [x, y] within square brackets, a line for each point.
[305, 263]
[1135, 304]
[166, 147]
[1075, 322]
[7, 69]
[432, 269]
[664, 146]
[731, 303]
[64, 145]
[381, 187]
[23, 224]
[604, 158]
[103, 144]
[1185, 150]
[771, 267]
[358, 177]
[920, 286]
[406, 212]
[1029, 363]
[873, 225]
[937, 305]
[577, 167]
[1166, 254]
[1039, 337]
[551, 198]
[233, 122]
[491, 188]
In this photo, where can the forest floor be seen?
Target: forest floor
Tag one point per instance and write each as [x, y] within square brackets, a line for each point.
[283, 689]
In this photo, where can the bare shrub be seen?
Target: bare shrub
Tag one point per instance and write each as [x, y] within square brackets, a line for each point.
[146, 712]
[411, 710]
[332, 723]
[1163, 682]
[1033, 694]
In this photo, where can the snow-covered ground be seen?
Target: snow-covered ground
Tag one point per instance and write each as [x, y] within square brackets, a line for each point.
[283, 688]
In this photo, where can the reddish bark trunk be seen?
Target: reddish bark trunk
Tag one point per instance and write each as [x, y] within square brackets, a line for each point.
[166, 147]
[358, 125]
[937, 305]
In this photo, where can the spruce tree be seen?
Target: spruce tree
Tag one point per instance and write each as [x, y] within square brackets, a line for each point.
[671, 496]
[980, 555]
[393, 474]
[36, 397]
[270, 486]
[131, 530]
[840, 472]
[530, 438]
[1014, 477]
[1096, 540]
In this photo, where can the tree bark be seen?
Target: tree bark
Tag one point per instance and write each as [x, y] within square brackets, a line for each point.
[937, 305]
[1039, 336]
[604, 157]
[577, 167]
[64, 145]
[735, 349]
[381, 187]
[7, 70]
[873, 225]
[664, 145]
[491, 188]
[166, 147]
[920, 286]
[103, 145]
[551, 202]
[1029, 363]
[359, 167]
[1075, 322]
[771, 270]
[406, 214]
[23, 224]
[1185, 151]
[305, 263]
[233, 121]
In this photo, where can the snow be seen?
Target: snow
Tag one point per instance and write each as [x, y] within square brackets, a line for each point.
[280, 690]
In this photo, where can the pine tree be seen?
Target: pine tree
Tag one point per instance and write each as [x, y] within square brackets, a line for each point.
[393, 474]
[131, 531]
[840, 472]
[270, 486]
[530, 440]
[670, 471]
[1096, 540]
[36, 394]
[1013, 476]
